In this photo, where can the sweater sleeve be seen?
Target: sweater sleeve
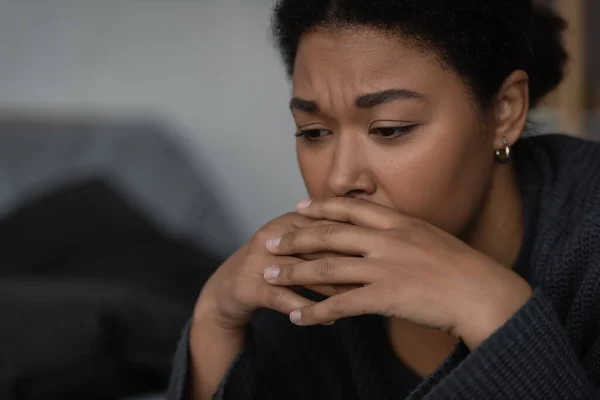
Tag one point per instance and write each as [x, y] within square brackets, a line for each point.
[179, 372]
[179, 380]
[274, 348]
[529, 357]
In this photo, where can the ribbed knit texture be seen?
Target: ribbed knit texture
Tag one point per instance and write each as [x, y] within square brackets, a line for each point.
[549, 350]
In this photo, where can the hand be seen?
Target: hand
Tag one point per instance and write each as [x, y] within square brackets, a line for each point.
[409, 268]
[228, 299]
[238, 288]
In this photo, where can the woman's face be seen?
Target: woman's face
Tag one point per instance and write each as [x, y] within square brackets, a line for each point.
[386, 122]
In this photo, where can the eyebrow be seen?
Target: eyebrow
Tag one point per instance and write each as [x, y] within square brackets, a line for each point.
[307, 106]
[370, 100]
[367, 100]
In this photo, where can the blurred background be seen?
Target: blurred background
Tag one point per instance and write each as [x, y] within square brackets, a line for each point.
[141, 141]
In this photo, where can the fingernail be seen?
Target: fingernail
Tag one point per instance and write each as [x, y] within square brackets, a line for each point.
[296, 317]
[273, 243]
[329, 323]
[303, 203]
[271, 273]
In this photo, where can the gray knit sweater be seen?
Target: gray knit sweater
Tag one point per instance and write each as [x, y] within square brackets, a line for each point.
[550, 349]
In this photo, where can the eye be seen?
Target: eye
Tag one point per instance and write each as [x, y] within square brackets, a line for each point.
[312, 134]
[392, 132]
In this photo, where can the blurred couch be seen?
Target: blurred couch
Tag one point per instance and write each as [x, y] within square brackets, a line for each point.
[119, 226]
[144, 158]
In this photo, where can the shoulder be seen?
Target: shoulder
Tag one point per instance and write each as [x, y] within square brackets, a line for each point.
[568, 271]
[575, 287]
[562, 175]
[558, 142]
[559, 152]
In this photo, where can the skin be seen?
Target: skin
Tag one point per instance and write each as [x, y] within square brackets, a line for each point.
[442, 171]
[418, 224]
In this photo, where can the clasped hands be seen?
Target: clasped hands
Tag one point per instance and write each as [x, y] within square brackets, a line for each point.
[396, 266]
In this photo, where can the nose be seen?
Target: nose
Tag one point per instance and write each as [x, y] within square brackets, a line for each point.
[349, 174]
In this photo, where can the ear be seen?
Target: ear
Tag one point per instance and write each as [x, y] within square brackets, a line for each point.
[511, 108]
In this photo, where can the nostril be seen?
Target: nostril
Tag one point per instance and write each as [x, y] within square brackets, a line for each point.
[355, 193]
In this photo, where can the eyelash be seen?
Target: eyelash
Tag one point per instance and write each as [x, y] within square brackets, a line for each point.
[306, 134]
[397, 131]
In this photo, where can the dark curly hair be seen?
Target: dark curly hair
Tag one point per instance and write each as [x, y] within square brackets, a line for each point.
[484, 41]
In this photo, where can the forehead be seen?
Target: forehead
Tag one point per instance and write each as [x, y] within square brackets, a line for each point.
[363, 60]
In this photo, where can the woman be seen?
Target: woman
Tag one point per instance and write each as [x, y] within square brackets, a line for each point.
[457, 260]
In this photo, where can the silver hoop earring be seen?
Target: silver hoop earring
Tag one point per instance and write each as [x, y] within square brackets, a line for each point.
[503, 156]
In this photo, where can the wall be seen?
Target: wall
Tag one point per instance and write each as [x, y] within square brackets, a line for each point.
[206, 64]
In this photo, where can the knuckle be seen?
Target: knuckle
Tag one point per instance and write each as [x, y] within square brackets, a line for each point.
[354, 205]
[285, 222]
[356, 202]
[327, 269]
[241, 293]
[254, 263]
[288, 215]
[281, 220]
[336, 308]
[339, 289]
[261, 236]
[328, 231]
[286, 273]
[274, 298]
[276, 226]
[288, 239]
[318, 204]
[309, 314]
[234, 284]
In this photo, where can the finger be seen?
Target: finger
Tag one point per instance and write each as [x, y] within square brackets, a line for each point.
[319, 255]
[331, 290]
[352, 210]
[337, 238]
[282, 299]
[298, 221]
[349, 304]
[326, 290]
[337, 270]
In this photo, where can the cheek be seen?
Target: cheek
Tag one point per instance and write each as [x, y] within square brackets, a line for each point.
[442, 178]
[314, 167]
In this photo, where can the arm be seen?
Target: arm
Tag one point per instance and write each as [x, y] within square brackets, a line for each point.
[227, 303]
[530, 357]
[519, 348]
[203, 357]
[212, 351]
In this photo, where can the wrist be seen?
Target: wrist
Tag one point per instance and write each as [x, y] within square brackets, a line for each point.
[478, 326]
[212, 350]
[209, 317]
[204, 332]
